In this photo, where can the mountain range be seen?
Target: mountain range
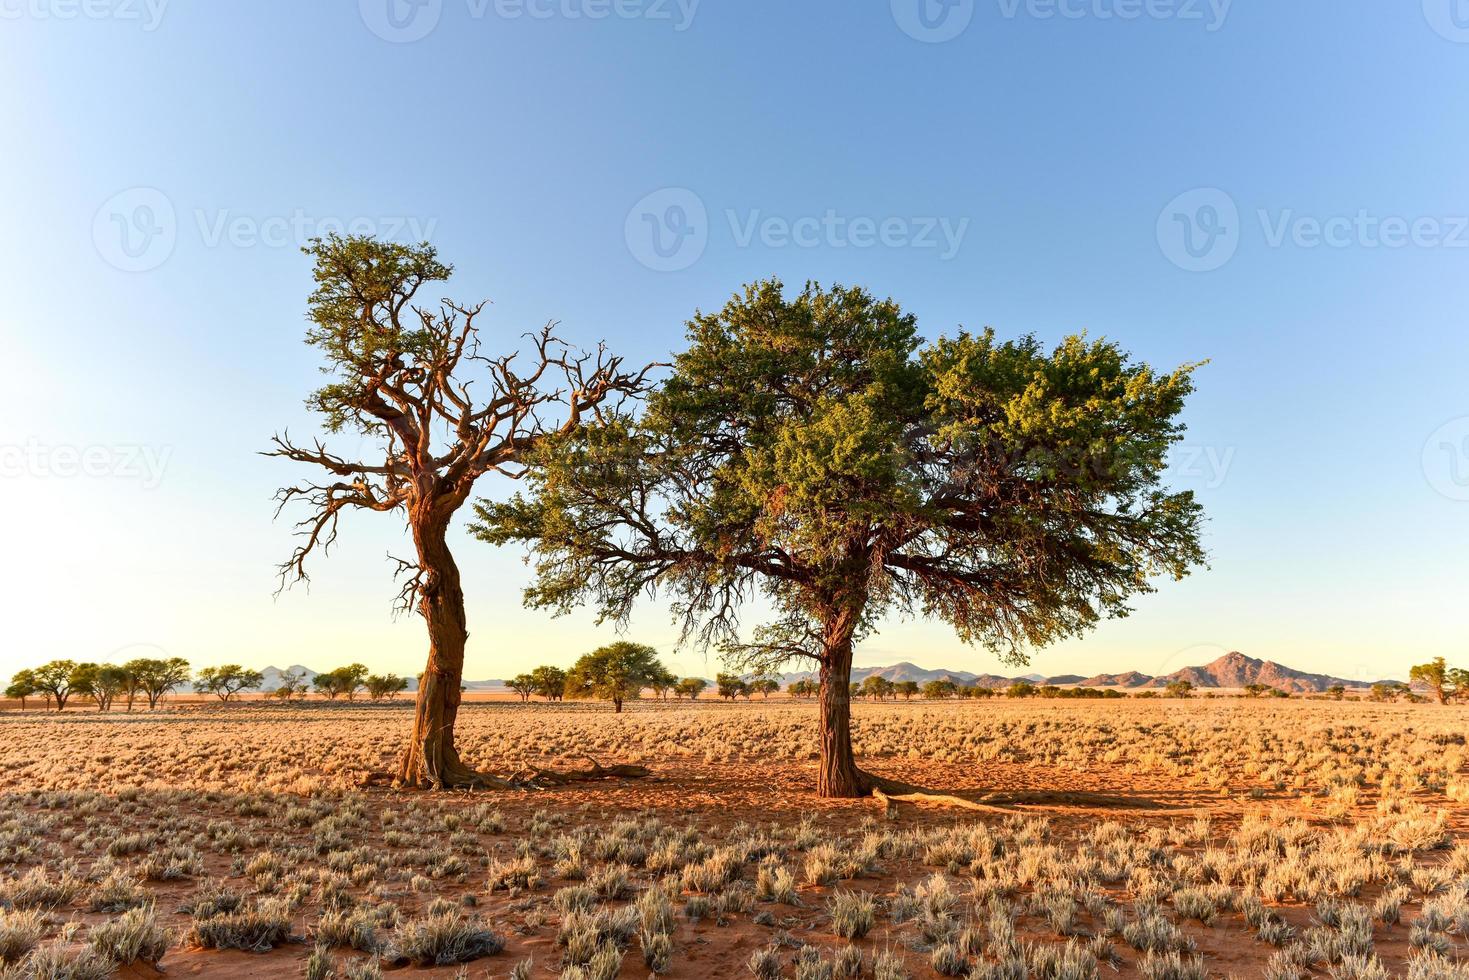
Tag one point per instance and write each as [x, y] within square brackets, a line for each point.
[1233, 670]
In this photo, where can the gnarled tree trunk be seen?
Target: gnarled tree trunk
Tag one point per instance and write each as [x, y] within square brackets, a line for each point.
[839, 776]
[431, 760]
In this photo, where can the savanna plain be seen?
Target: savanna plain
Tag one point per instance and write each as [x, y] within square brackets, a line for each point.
[1166, 839]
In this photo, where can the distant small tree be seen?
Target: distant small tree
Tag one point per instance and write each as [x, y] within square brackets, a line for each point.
[1337, 692]
[729, 686]
[1388, 691]
[765, 686]
[1257, 690]
[54, 679]
[907, 689]
[804, 689]
[877, 687]
[617, 672]
[385, 687]
[665, 682]
[1434, 675]
[100, 682]
[522, 684]
[157, 677]
[550, 682]
[22, 686]
[227, 681]
[940, 690]
[1459, 681]
[344, 681]
[1020, 689]
[293, 684]
[691, 688]
[1179, 689]
[980, 691]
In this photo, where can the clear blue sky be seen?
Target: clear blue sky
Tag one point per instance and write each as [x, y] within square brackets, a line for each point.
[1087, 157]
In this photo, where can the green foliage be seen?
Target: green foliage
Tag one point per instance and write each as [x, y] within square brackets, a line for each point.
[522, 684]
[1179, 689]
[53, 679]
[157, 677]
[691, 688]
[362, 321]
[906, 688]
[1021, 689]
[803, 689]
[731, 686]
[22, 686]
[1445, 682]
[100, 682]
[816, 451]
[226, 681]
[344, 681]
[939, 689]
[550, 682]
[385, 687]
[617, 672]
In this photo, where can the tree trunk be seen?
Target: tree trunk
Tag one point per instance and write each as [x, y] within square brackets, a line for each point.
[431, 761]
[839, 776]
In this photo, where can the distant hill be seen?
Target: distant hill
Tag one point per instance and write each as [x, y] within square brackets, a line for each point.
[1233, 670]
[274, 676]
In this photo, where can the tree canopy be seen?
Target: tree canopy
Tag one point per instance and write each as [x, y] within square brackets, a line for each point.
[617, 672]
[815, 452]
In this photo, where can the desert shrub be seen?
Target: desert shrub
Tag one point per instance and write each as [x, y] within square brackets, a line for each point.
[949, 961]
[764, 963]
[442, 939]
[20, 931]
[133, 937]
[37, 890]
[853, 914]
[117, 892]
[55, 961]
[255, 930]
[356, 929]
[1171, 965]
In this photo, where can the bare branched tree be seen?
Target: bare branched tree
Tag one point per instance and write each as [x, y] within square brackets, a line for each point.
[412, 378]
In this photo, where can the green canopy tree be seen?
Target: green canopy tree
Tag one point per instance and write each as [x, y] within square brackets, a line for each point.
[523, 685]
[617, 672]
[100, 682]
[691, 688]
[227, 681]
[341, 682]
[53, 679]
[1435, 675]
[22, 686]
[550, 682]
[385, 687]
[412, 380]
[157, 676]
[814, 452]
